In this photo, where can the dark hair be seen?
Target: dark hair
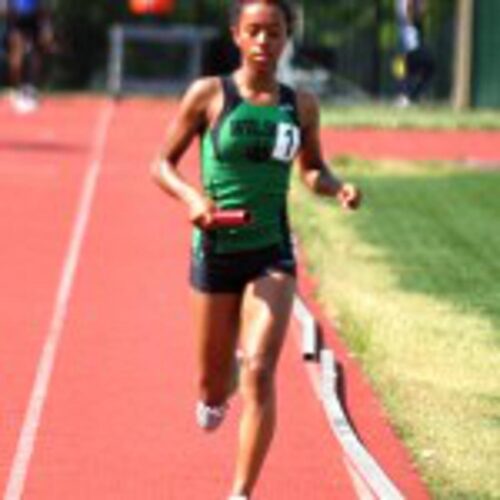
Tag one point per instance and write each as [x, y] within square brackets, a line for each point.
[238, 5]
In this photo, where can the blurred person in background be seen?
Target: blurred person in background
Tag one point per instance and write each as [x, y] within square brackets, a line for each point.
[414, 66]
[29, 36]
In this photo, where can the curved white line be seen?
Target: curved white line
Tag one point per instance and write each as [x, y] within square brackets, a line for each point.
[364, 463]
[368, 478]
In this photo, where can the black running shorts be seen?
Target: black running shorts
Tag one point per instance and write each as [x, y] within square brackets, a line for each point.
[230, 273]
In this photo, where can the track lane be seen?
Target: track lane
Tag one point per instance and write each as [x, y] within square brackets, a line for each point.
[41, 166]
[118, 422]
[463, 146]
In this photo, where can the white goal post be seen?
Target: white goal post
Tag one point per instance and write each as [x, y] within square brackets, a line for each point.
[155, 59]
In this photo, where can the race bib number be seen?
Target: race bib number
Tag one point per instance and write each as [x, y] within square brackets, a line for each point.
[287, 142]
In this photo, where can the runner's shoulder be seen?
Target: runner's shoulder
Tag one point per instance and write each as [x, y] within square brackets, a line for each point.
[308, 106]
[204, 89]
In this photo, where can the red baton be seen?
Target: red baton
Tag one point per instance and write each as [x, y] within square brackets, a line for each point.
[231, 218]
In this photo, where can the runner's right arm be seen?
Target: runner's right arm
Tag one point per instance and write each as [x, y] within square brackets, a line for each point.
[192, 117]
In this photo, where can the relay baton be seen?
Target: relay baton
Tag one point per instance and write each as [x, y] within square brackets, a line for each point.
[231, 218]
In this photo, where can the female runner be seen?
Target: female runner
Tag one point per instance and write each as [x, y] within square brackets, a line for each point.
[252, 129]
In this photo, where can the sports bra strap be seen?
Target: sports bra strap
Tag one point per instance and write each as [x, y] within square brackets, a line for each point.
[232, 97]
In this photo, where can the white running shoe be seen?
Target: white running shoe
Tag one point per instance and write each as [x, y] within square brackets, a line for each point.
[238, 497]
[210, 417]
[24, 100]
[402, 102]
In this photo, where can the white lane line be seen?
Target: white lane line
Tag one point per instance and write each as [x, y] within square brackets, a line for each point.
[369, 479]
[28, 434]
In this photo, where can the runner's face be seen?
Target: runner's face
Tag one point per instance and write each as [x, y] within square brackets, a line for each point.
[261, 35]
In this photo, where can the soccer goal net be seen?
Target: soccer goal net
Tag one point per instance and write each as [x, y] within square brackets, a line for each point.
[152, 59]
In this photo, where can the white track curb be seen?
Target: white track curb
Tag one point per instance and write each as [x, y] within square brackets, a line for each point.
[369, 479]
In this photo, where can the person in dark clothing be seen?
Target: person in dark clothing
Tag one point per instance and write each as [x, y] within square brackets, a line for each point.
[29, 36]
[416, 63]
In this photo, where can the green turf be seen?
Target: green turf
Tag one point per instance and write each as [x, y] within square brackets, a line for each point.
[428, 117]
[413, 279]
[441, 233]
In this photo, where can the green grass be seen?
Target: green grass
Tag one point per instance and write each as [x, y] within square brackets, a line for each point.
[413, 281]
[424, 117]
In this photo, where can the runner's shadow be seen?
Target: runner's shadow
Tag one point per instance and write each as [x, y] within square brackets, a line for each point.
[40, 146]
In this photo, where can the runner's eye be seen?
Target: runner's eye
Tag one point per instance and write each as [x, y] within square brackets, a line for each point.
[274, 33]
[254, 31]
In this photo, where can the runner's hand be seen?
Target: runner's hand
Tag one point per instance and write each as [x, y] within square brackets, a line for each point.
[349, 197]
[200, 211]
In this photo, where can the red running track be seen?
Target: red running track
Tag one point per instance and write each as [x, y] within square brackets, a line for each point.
[478, 146]
[115, 419]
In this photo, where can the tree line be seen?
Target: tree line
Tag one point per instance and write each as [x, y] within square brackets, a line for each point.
[360, 26]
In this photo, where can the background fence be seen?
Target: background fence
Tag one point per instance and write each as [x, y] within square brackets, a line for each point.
[352, 40]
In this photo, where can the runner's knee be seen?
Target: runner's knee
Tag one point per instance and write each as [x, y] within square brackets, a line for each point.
[257, 379]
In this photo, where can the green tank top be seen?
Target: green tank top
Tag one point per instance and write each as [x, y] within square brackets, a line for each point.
[246, 162]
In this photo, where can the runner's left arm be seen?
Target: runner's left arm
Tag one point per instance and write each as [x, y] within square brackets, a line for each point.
[314, 172]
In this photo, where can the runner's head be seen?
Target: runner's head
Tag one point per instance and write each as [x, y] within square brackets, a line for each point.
[260, 30]
[238, 6]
